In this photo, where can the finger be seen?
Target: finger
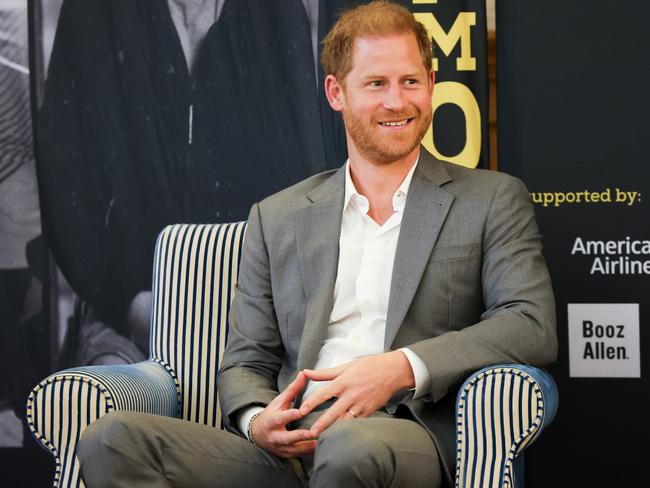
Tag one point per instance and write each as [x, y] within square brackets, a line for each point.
[303, 447]
[288, 437]
[286, 416]
[319, 396]
[348, 415]
[325, 374]
[298, 449]
[329, 417]
[292, 390]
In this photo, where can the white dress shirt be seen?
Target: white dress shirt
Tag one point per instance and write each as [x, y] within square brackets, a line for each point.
[357, 323]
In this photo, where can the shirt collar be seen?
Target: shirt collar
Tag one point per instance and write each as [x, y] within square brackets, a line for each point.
[399, 197]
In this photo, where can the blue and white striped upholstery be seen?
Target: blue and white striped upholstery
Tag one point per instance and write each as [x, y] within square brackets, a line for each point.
[195, 269]
[500, 411]
[60, 407]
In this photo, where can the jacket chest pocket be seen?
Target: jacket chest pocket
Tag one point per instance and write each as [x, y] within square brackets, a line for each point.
[453, 280]
[442, 252]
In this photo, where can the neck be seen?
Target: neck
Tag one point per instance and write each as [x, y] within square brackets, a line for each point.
[374, 180]
[379, 182]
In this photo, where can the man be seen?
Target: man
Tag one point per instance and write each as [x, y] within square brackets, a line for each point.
[365, 296]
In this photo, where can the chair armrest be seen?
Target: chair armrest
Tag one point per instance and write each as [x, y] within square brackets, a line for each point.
[61, 406]
[500, 411]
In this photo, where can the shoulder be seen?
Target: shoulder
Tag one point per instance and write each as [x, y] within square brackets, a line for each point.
[479, 184]
[474, 191]
[456, 178]
[277, 213]
[300, 189]
[297, 196]
[481, 179]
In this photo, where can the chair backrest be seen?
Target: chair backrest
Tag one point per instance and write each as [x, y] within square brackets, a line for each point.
[195, 271]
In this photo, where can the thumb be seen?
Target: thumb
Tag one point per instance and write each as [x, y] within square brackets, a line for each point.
[292, 390]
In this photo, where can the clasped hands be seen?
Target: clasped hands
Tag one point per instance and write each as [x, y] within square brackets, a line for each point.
[360, 388]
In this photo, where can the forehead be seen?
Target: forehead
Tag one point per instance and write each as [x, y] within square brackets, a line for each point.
[393, 52]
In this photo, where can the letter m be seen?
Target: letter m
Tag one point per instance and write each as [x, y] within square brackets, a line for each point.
[460, 31]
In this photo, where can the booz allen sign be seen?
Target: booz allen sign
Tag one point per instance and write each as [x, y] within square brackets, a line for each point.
[604, 340]
[586, 166]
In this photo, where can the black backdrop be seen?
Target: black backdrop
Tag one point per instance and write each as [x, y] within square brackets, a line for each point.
[573, 111]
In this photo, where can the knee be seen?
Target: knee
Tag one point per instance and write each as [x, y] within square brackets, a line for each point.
[349, 454]
[111, 431]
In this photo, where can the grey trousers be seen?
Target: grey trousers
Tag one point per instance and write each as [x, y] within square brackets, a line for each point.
[127, 449]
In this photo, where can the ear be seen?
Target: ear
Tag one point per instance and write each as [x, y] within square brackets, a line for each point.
[432, 80]
[334, 93]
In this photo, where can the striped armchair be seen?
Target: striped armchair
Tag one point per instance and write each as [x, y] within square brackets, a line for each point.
[501, 409]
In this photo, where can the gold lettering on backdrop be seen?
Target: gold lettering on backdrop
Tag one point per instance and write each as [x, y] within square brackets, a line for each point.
[421, 2]
[462, 97]
[446, 41]
[452, 91]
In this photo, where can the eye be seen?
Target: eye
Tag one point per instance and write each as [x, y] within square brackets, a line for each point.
[376, 83]
[411, 82]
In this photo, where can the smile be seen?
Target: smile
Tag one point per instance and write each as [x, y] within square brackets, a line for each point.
[396, 123]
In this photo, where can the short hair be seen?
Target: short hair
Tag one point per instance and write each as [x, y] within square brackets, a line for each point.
[376, 19]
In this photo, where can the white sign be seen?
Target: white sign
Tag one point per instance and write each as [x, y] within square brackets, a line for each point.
[604, 340]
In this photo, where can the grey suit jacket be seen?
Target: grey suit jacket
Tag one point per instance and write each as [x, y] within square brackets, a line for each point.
[469, 288]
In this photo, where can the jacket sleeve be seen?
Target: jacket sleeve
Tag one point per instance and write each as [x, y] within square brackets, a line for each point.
[518, 322]
[253, 355]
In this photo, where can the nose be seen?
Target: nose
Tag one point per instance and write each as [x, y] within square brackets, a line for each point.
[394, 98]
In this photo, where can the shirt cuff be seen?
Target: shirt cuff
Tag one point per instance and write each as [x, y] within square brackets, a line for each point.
[245, 416]
[420, 373]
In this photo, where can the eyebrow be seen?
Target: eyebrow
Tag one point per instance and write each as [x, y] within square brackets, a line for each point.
[376, 76]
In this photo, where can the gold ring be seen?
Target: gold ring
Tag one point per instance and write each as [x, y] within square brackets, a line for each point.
[351, 412]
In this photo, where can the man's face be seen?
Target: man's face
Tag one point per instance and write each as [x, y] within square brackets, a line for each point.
[385, 99]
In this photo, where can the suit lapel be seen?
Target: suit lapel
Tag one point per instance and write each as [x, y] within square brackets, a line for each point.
[318, 228]
[426, 208]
